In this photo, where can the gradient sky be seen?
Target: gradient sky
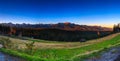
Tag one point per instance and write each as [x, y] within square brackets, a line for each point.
[86, 12]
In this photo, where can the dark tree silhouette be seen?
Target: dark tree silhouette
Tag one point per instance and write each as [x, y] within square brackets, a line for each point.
[54, 34]
[116, 28]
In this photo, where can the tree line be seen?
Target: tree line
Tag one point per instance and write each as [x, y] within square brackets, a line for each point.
[52, 34]
[116, 28]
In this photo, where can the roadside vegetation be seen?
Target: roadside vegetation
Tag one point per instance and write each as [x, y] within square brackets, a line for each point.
[76, 51]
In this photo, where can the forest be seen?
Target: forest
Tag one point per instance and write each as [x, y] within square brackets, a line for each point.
[52, 34]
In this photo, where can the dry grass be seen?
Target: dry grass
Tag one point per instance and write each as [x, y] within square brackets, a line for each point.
[68, 45]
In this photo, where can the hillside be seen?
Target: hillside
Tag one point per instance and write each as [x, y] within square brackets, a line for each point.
[58, 51]
[65, 31]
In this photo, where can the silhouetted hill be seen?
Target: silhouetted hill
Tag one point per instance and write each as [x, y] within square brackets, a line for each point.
[63, 26]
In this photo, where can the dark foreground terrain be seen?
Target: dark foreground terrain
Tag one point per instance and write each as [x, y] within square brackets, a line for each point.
[5, 57]
[112, 54]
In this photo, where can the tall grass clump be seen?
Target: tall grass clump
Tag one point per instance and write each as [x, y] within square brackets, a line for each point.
[30, 47]
[6, 43]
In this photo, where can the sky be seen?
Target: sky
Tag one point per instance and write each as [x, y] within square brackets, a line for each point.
[84, 12]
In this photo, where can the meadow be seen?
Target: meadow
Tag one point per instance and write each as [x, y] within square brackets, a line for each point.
[40, 50]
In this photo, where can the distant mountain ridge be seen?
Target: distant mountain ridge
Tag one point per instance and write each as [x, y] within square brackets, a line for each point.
[63, 26]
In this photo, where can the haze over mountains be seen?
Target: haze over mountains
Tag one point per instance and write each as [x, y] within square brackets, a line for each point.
[63, 26]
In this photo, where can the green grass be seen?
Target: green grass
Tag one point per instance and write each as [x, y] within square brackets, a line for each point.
[36, 40]
[45, 41]
[75, 54]
[21, 55]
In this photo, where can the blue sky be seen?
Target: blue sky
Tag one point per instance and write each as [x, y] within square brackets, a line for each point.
[88, 12]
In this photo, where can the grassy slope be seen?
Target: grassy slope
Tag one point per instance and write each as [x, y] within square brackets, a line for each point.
[65, 54]
[66, 45]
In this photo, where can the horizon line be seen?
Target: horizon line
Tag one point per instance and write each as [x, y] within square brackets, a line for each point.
[102, 25]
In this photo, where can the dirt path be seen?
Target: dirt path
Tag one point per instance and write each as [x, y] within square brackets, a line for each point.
[5, 57]
[110, 55]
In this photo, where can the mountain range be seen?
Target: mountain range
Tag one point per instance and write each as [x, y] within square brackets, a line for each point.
[63, 26]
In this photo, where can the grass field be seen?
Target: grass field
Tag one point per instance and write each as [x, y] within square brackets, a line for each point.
[61, 51]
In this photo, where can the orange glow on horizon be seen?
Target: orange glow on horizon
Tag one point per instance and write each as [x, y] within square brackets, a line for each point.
[103, 25]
